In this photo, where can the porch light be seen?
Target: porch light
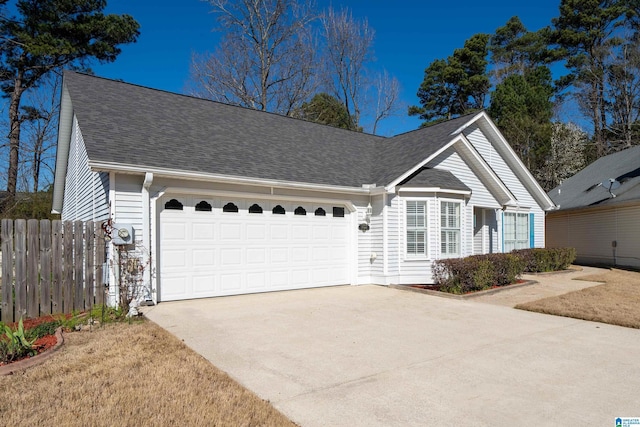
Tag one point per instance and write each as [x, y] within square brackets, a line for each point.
[367, 216]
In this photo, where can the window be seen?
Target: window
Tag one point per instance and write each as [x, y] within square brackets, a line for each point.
[203, 206]
[338, 212]
[229, 207]
[449, 229]
[278, 210]
[255, 208]
[416, 227]
[320, 212]
[516, 231]
[300, 211]
[173, 204]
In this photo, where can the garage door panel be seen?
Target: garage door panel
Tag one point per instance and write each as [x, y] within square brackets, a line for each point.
[279, 232]
[230, 231]
[279, 278]
[174, 231]
[203, 258]
[174, 287]
[257, 256]
[300, 277]
[174, 259]
[279, 255]
[204, 285]
[202, 231]
[211, 253]
[299, 254]
[230, 258]
[231, 281]
[256, 280]
[256, 232]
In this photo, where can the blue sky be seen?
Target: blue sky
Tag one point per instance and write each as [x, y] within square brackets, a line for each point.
[409, 35]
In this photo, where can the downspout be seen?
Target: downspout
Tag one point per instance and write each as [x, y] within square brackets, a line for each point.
[146, 234]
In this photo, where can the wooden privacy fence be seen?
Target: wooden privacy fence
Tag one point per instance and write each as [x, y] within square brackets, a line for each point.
[50, 267]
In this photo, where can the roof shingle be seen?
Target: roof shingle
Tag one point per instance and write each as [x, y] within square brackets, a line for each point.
[134, 125]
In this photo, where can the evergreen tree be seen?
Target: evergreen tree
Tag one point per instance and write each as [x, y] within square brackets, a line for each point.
[328, 110]
[456, 85]
[45, 36]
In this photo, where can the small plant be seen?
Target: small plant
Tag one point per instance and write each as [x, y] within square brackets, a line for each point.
[14, 344]
[42, 330]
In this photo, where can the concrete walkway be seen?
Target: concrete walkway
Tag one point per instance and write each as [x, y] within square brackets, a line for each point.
[548, 285]
[374, 356]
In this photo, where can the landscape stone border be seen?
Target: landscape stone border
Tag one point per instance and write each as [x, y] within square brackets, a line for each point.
[35, 360]
[465, 296]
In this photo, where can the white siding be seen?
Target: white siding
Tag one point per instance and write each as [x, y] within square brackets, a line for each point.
[451, 161]
[495, 160]
[128, 202]
[86, 192]
[592, 233]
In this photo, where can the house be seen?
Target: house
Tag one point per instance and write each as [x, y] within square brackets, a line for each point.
[599, 211]
[229, 200]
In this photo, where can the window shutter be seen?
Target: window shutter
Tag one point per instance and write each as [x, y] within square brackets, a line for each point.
[532, 234]
[502, 222]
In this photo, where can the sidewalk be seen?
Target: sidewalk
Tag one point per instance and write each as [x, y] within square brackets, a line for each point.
[549, 285]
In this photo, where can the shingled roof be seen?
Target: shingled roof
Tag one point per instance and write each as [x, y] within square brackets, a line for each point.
[610, 180]
[127, 124]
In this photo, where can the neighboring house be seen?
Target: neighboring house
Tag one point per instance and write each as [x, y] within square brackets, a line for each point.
[599, 211]
[230, 200]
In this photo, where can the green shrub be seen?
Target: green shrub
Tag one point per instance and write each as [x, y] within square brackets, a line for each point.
[538, 260]
[477, 272]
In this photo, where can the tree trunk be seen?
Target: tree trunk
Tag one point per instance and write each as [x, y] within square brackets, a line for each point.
[14, 137]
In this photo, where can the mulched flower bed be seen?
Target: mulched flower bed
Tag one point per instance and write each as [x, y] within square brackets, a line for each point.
[41, 344]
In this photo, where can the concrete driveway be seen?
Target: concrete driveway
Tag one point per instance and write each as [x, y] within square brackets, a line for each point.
[370, 355]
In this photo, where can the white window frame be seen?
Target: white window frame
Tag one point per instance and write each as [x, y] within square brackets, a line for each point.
[516, 234]
[416, 228]
[447, 228]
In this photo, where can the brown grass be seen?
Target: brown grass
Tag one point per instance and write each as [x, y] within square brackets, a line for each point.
[615, 302]
[124, 374]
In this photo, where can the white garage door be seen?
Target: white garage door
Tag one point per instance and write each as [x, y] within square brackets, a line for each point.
[228, 246]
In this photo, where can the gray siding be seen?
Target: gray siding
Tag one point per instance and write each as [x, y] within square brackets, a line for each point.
[592, 233]
[86, 194]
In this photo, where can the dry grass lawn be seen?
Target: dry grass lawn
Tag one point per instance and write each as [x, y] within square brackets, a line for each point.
[134, 375]
[616, 302]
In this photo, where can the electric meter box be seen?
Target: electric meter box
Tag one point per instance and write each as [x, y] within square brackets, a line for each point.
[122, 234]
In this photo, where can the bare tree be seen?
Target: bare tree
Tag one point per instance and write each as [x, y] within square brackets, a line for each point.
[567, 155]
[39, 131]
[265, 60]
[387, 93]
[348, 49]
[623, 75]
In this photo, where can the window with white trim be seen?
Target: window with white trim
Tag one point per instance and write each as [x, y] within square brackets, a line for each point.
[516, 231]
[449, 229]
[416, 228]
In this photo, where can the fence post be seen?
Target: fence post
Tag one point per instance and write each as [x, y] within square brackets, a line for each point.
[21, 268]
[58, 278]
[89, 265]
[99, 244]
[33, 268]
[78, 246]
[7, 271]
[67, 298]
[45, 266]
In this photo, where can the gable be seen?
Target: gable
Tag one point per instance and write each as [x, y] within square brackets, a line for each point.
[451, 160]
